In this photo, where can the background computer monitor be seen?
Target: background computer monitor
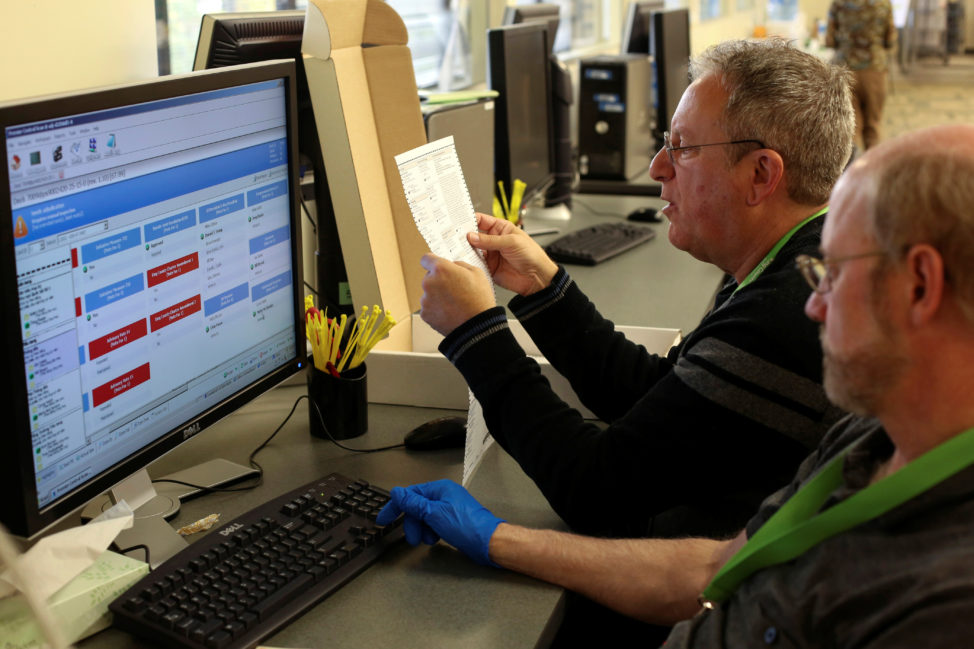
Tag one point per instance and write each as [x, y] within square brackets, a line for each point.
[669, 45]
[248, 36]
[519, 69]
[542, 12]
[562, 97]
[150, 248]
[636, 28]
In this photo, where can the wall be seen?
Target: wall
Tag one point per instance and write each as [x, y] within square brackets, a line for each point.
[58, 45]
[707, 33]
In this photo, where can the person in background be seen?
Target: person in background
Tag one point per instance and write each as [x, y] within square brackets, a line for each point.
[862, 32]
[870, 543]
[694, 440]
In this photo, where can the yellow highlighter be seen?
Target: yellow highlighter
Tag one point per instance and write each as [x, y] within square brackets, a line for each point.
[516, 196]
[498, 209]
[504, 204]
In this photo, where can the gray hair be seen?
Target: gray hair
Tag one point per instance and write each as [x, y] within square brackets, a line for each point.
[926, 195]
[795, 103]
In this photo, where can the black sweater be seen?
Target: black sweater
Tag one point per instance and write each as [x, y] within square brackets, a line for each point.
[692, 441]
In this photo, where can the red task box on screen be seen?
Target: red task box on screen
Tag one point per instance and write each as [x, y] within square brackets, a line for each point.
[116, 339]
[117, 386]
[174, 268]
[176, 312]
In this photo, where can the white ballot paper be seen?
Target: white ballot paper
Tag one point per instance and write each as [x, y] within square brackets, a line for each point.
[439, 201]
[436, 192]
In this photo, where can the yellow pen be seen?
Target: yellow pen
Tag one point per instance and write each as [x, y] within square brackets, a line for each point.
[353, 339]
[338, 339]
[516, 196]
[497, 209]
[361, 351]
[504, 203]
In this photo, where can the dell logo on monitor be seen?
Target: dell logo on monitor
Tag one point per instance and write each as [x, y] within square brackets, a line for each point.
[191, 430]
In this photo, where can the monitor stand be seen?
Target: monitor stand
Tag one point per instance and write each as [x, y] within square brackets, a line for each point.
[531, 213]
[154, 505]
[537, 220]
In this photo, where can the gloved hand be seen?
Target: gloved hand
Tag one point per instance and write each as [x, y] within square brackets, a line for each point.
[443, 509]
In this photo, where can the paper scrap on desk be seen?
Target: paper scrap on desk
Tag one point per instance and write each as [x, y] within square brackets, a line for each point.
[201, 525]
[57, 559]
[478, 439]
[439, 201]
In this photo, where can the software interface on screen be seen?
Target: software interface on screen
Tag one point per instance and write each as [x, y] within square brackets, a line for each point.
[153, 268]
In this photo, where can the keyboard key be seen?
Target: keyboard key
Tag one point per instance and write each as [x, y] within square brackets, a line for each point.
[218, 639]
[280, 597]
[199, 634]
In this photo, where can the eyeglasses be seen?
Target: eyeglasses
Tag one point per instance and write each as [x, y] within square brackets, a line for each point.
[818, 272]
[670, 148]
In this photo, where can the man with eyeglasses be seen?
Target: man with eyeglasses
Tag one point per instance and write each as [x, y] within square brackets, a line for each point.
[696, 439]
[870, 543]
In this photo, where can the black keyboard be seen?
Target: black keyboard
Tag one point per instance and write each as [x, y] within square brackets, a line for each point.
[597, 243]
[239, 584]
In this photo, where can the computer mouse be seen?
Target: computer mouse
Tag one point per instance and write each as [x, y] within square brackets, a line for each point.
[644, 215]
[444, 432]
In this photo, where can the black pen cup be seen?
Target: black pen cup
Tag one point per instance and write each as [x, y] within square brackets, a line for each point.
[338, 404]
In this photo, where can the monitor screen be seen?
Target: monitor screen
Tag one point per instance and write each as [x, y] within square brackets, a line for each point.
[670, 47]
[518, 68]
[151, 250]
[636, 28]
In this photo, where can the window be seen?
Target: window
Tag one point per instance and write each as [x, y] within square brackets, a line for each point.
[437, 28]
[710, 9]
[179, 26]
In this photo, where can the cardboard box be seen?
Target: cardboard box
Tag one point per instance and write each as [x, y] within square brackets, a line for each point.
[424, 377]
[367, 111]
[80, 606]
[366, 106]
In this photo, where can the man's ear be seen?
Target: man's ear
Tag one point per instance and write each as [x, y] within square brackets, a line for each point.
[768, 171]
[926, 282]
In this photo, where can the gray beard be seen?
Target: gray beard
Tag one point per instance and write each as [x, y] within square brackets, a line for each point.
[861, 381]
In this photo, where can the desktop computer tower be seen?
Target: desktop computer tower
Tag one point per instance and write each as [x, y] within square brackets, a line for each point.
[472, 128]
[614, 116]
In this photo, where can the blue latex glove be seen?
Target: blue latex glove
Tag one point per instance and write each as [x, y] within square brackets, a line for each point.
[443, 509]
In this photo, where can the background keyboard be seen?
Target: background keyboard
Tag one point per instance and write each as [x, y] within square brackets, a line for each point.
[239, 584]
[597, 243]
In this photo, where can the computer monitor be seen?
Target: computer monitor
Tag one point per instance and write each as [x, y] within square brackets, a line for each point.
[150, 250]
[542, 12]
[519, 69]
[670, 47]
[248, 36]
[559, 193]
[636, 28]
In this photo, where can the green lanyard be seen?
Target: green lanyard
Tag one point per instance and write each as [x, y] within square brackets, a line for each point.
[768, 258]
[798, 525]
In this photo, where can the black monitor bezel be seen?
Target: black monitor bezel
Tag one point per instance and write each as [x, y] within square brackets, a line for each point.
[19, 510]
[496, 56]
